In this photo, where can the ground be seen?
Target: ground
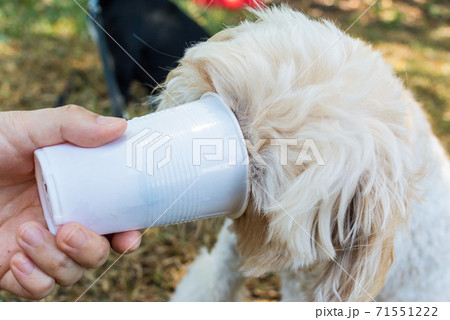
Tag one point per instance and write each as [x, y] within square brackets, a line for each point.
[42, 43]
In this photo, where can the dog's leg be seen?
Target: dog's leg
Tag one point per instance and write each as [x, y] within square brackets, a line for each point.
[298, 286]
[213, 276]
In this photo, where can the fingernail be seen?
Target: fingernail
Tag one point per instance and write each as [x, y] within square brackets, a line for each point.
[76, 239]
[108, 121]
[134, 245]
[32, 235]
[24, 265]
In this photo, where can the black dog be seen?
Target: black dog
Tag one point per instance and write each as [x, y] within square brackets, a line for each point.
[154, 32]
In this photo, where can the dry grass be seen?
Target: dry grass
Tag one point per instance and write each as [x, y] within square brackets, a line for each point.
[43, 42]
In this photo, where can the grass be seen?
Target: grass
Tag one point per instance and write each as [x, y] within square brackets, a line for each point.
[43, 42]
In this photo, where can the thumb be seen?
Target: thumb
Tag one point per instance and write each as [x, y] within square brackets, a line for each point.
[70, 123]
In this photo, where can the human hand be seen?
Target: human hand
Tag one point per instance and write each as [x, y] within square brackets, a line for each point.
[32, 260]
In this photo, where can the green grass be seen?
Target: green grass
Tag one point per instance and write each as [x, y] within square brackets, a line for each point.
[43, 42]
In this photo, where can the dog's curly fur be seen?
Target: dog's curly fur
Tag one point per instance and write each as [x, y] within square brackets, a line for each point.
[374, 222]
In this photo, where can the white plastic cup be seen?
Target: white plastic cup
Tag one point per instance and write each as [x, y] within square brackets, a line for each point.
[169, 167]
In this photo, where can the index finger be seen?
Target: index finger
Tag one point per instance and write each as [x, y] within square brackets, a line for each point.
[40, 128]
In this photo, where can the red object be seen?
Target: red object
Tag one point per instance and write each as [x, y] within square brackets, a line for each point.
[230, 4]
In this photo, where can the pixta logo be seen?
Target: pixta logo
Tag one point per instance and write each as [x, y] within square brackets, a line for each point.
[150, 148]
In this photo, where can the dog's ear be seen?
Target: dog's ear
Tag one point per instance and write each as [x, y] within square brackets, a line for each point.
[367, 217]
[363, 240]
[339, 219]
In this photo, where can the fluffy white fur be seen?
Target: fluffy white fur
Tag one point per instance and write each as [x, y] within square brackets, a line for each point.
[374, 222]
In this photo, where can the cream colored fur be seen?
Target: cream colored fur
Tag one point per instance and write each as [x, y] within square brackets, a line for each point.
[374, 221]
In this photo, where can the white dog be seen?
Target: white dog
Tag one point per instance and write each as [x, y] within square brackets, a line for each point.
[373, 223]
